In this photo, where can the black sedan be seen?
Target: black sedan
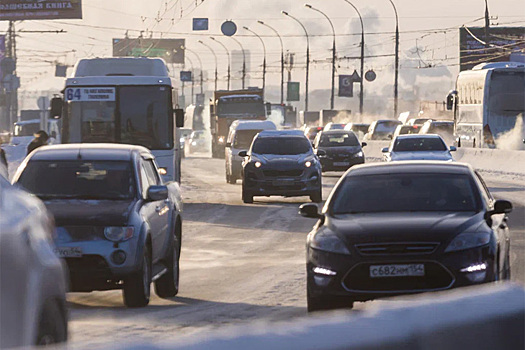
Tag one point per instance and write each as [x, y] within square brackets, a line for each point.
[406, 227]
[338, 150]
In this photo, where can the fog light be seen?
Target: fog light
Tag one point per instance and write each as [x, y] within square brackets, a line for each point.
[323, 271]
[476, 273]
[118, 257]
[163, 171]
[475, 268]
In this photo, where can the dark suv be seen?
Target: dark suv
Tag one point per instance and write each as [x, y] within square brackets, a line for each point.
[281, 163]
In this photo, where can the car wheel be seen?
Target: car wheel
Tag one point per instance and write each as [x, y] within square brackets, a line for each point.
[167, 285]
[317, 197]
[137, 288]
[232, 180]
[247, 197]
[52, 326]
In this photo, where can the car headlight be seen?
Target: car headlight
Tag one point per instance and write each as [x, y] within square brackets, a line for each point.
[118, 234]
[359, 154]
[308, 164]
[163, 171]
[468, 240]
[221, 139]
[194, 143]
[257, 164]
[329, 242]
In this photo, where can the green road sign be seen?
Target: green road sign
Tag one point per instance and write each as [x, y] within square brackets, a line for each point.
[292, 93]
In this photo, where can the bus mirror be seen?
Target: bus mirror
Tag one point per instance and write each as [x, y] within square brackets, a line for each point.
[55, 111]
[268, 108]
[451, 98]
[179, 117]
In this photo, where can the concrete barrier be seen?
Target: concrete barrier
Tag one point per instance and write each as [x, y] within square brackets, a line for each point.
[485, 317]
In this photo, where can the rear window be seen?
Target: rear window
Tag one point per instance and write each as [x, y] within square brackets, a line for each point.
[405, 193]
[281, 145]
[386, 126]
[419, 144]
[79, 179]
[338, 140]
[447, 128]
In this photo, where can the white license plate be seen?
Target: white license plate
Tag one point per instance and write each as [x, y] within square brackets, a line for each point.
[283, 182]
[68, 252]
[341, 163]
[397, 270]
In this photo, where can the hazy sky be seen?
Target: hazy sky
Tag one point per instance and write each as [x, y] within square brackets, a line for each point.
[429, 35]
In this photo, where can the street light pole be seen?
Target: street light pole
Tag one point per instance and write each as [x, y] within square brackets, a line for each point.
[228, 53]
[396, 75]
[192, 80]
[333, 52]
[264, 50]
[361, 92]
[282, 58]
[243, 60]
[307, 57]
[215, 56]
[200, 63]
[487, 24]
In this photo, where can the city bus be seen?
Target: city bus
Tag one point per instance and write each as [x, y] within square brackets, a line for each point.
[488, 105]
[123, 100]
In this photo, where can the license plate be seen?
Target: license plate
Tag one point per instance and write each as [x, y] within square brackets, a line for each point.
[397, 270]
[283, 182]
[341, 163]
[68, 252]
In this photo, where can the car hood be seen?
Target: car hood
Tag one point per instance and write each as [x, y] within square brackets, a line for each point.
[404, 227]
[90, 212]
[420, 155]
[331, 151]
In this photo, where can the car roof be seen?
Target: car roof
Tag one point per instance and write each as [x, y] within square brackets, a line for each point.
[281, 133]
[407, 167]
[337, 132]
[253, 125]
[89, 151]
[418, 136]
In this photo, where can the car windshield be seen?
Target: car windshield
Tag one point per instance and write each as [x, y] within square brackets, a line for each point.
[26, 129]
[405, 193]
[419, 144]
[79, 179]
[243, 138]
[386, 126]
[338, 140]
[281, 145]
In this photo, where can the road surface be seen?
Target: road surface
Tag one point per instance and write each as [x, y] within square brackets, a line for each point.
[239, 263]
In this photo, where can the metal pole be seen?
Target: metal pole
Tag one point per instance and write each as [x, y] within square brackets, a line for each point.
[487, 24]
[264, 59]
[200, 64]
[192, 80]
[215, 56]
[282, 58]
[243, 61]
[361, 92]
[333, 53]
[229, 62]
[396, 75]
[307, 57]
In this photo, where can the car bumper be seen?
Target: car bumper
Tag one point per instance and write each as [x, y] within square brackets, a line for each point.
[306, 184]
[352, 278]
[335, 165]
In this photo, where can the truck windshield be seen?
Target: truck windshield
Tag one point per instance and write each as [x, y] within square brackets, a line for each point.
[142, 117]
[26, 129]
[79, 179]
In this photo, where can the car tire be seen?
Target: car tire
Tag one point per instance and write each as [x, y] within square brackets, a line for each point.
[317, 197]
[167, 286]
[247, 197]
[52, 326]
[137, 287]
[232, 180]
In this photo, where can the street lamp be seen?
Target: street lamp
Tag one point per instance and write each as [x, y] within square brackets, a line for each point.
[228, 53]
[307, 57]
[243, 60]
[264, 50]
[396, 75]
[333, 52]
[215, 56]
[362, 57]
[200, 64]
[282, 57]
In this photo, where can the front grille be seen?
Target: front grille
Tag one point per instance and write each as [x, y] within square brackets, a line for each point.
[396, 248]
[92, 265]
[83, 233]
[294, 187]
[283, 173]
[436, 277]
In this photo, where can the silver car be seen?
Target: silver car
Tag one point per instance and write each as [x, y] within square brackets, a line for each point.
[418, 147]
[32, 278]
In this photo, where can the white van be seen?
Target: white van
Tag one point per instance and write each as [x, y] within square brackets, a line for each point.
[239, 139]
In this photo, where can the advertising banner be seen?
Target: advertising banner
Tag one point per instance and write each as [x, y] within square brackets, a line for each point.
[171, 50]
[18, 10]
[346, 86]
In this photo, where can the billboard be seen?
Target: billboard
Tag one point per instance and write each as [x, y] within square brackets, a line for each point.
[171, 50]
[17, 10]
[506, 40]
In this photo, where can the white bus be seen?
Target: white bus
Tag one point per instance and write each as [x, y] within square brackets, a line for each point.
[123, 100]
[489, 104]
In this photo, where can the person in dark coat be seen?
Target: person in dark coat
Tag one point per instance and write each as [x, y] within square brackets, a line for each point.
[41, 138]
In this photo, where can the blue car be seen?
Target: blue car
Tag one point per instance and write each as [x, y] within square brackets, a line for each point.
[118, 224]
[281, 163]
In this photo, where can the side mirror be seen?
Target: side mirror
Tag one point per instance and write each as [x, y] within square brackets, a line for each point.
[310, 210]
[243, 154]
[157, 193]
[384, 149]
[321, 152]
[453, 149]
[228, 144]
[451, 99]
[502, 206]
[390, 137]
[363, 144]
[179, 117]
[55, 111]
[268, 108]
